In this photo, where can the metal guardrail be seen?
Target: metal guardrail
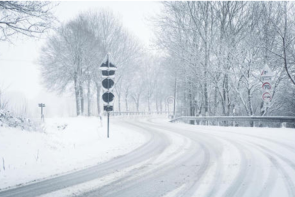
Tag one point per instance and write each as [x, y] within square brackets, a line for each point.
[136, 113]
[280, 119]
[238, 118]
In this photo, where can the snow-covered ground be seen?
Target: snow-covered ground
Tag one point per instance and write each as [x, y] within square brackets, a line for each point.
[237, 161]
[180, 159]
[65, 145]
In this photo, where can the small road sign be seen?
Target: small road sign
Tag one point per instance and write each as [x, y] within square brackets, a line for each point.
[108, 83]
[266, 86]
[42, 115]
[108, 108]
[170, 99]
[41, 105]
[266, 73]
[108, 97]
[107, 66]
[108, 73]
[266, 97]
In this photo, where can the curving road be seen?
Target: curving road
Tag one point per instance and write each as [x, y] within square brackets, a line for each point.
[186, 160]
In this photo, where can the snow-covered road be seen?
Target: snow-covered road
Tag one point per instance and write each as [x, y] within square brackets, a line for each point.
[186, 160]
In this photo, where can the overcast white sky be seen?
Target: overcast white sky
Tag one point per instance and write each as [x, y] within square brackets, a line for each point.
[18, 68]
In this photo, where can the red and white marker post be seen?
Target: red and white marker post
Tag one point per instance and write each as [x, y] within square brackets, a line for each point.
[266, 78]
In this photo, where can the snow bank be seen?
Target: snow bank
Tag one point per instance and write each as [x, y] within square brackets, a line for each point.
[8, 120]
[67, 144]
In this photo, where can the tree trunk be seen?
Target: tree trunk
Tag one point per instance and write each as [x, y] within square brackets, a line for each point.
[126, 99]
[190, 98]
[206, 61]
[161, 106]
[119, 102]
[88, 98]
[137, 106]
[206, 97]
[227, 101]
[215, 100]
[175, 96]
[126, 103]
[224, 97]
[82, 99]
[137, 103]
[149, 104]
[77, 95]
[250, 107]
[98, 97]
[157, 107]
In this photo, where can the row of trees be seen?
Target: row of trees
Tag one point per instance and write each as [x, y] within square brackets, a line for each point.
[217, 50]
[71, 57]
[213, 56]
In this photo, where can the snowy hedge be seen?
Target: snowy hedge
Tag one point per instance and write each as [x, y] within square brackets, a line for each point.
[8, 120]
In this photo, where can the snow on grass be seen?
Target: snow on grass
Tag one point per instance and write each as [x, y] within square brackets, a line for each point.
[67, 144]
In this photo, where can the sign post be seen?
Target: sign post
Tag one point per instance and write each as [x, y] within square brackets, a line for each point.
[42, 115]
[170, 100]
[266, 78]
[108, 74]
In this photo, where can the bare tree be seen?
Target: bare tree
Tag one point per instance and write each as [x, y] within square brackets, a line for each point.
[29, 18]
[122, 46]
[221, 47]
[67, 58]
[71, 57]
[288, 37]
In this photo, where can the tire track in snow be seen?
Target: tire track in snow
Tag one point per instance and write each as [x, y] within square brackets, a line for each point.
[270, 182]
[270, 179]
[161, 174]
[287, 180]
[218, 177]
[241, 179]
[135, 186]
[272, 176]
[292, 148]
[206, 138]
[243, 173]
[189, 189]
[243, 176]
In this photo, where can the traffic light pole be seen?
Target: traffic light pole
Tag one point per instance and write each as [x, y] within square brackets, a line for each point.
[175, 91]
